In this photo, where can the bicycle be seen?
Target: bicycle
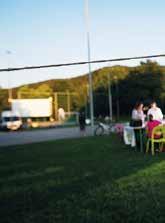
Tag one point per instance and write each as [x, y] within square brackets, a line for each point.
[102, 129]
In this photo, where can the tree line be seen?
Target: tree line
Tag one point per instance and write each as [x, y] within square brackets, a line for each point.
[128, 85]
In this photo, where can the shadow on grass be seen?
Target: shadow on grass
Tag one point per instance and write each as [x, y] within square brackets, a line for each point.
[93, 179]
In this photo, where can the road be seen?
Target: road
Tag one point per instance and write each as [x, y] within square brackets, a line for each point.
[26, 137]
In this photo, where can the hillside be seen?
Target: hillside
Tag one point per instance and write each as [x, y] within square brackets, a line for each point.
[128, 85]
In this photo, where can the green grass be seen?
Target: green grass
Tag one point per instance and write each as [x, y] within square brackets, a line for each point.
[82, 180]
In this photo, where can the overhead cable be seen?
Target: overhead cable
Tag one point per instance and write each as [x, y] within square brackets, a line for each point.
[81, 63]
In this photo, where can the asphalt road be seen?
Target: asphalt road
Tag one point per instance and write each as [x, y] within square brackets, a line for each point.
[26, 137]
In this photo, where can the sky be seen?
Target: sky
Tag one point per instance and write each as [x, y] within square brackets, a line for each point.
[39, 32]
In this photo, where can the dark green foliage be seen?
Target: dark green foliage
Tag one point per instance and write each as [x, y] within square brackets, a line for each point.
[82, 180]
[101, 102]
[144, 83]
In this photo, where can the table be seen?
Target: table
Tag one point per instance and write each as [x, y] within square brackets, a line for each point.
[129, 136]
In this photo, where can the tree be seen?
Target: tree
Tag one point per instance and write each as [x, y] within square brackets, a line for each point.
[42, 91]
[142, 84]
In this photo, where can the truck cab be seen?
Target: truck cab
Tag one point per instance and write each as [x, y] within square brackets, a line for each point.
[10, 121]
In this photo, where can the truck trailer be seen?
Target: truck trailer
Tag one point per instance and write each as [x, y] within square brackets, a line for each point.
[32, 108]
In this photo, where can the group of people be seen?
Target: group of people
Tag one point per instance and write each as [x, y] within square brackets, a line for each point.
[139, 112]
[145, 117]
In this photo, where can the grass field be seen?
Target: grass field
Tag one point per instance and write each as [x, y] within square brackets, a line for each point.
[82, 180]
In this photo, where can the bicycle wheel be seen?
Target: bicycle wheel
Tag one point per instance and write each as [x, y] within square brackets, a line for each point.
[99, 131]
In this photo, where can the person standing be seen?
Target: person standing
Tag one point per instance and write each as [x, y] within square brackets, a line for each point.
[61, 115]
[155, 112]
[138, 120]
[82, 123]
[138, 116]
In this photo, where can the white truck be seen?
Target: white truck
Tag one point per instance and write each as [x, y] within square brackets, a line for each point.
[32, 108]
[24, 109]
[10, 121]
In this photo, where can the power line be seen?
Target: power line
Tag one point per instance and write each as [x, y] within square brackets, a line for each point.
[81, 63]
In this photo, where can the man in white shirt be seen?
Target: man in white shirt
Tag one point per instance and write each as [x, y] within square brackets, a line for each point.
[155, 112]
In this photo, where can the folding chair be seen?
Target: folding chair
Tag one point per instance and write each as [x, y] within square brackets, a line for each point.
[158, 130]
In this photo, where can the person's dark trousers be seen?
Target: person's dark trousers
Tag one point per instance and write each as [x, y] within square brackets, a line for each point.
[137, 138]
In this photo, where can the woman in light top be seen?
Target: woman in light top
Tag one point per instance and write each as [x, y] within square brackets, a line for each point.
[138, 120]
[138, 114]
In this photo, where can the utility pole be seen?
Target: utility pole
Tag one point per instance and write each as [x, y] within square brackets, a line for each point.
[87, 100]
[68, 102]
[10, 94]
[117, 99]
[110, 98]
[56, 105]
[89, 66]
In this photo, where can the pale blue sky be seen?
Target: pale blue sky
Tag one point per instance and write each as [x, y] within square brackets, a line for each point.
[50, 31]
